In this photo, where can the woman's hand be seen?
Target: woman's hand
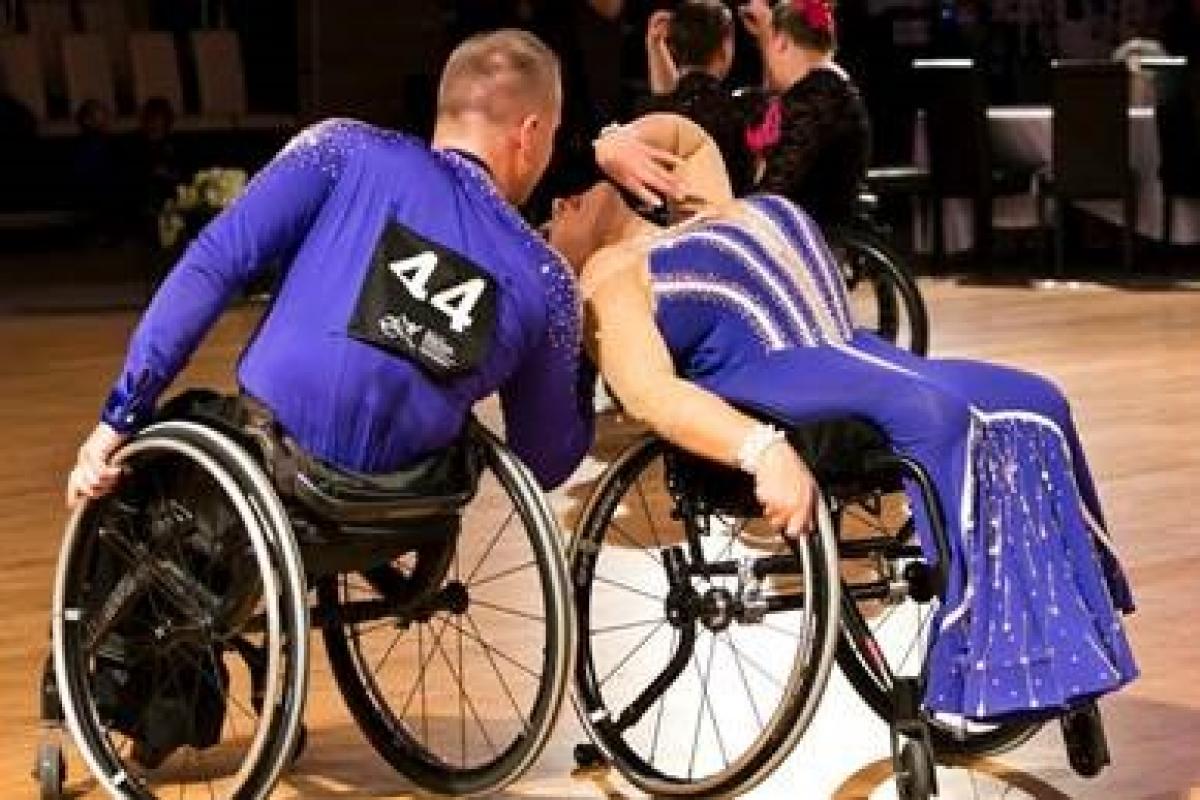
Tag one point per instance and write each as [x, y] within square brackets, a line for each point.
[92, 475]
[643, 170]
[657, 28]
[664, 75]
[786, 489]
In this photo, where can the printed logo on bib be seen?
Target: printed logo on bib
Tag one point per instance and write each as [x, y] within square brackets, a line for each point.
[424, 302]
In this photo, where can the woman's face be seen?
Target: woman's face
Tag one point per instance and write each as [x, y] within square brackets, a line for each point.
[574, 229]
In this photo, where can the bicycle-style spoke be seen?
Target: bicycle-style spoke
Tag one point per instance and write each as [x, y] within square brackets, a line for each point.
[759, 668]
[631, 589]
[466, 704]
[737, 659]
[421, 678]
[491, 648]
[624, 626]
[649, 516]
[662, 705]
[386, 655]
[462, 692]
[499, 675]
[419, 682]
[506, 610]
[629, 656]
[634, 544]
[503, 573]
[916, 640]
[488, 550]
[706, 700]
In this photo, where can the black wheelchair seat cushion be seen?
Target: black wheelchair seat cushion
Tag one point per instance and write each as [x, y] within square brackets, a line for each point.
[440, 484]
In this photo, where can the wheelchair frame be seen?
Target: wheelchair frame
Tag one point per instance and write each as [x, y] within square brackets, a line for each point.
[279, 670]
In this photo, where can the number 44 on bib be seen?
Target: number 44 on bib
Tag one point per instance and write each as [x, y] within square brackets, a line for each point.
[456, 302]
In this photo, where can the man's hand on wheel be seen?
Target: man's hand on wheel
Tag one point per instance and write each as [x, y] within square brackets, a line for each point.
[93, 475]
[786, 489]
[643, 170]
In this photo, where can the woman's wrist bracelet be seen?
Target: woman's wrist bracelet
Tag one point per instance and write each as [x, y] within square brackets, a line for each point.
[757, 442]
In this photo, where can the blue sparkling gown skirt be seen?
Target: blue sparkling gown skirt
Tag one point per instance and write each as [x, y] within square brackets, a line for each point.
[1031, 623]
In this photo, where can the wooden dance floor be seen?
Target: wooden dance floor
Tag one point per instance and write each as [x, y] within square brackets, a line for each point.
[1130, 361]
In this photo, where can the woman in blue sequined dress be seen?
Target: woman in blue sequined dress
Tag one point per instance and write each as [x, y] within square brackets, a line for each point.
[743, 305]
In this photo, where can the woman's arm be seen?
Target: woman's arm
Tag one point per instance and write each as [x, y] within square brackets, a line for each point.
[659, 61]
[637, 365]
[701, 168]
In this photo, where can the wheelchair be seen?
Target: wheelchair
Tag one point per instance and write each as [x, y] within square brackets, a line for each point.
[181, 612]
[883, 295]
[706, 640]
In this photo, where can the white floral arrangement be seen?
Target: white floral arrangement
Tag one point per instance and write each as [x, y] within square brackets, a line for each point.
[194, 204]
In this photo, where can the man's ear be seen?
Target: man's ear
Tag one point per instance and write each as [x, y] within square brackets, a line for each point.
[527, 133]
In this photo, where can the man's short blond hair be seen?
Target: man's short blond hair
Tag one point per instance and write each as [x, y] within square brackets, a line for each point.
[502, 75]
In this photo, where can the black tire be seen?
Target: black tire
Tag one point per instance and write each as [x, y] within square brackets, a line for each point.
[884, 296]
[1083, 735]
[204, 585]
[906, 657]
[50, 771]
[751, 752]
[914, 780]
[432, 759]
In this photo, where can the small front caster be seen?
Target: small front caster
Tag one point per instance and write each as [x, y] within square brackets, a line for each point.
[1087, 746]
[50, 770]
[914, 772]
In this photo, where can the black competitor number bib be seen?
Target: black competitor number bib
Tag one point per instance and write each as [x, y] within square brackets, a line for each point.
[425, 303]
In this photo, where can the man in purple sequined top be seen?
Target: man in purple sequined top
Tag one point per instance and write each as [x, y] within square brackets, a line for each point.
[412, 289]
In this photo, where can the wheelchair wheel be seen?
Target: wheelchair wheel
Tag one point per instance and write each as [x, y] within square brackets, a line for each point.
[880, 532]
[460, 689]
[705, 639]
[180, 621]
[883, 296]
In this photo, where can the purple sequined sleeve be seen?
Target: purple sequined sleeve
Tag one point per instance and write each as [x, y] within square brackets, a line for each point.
[268, 221]
[548, 406]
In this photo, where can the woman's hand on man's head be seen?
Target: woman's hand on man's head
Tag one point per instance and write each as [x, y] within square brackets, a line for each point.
[642, 169]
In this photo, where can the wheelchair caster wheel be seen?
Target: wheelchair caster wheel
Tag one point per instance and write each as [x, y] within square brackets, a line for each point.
[914, 779]
[588, 756]
[1083, 734]
[50, 770]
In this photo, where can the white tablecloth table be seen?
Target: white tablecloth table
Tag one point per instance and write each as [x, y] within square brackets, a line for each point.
[1021, 135]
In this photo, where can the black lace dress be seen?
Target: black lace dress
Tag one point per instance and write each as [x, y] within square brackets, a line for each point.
[821, 157]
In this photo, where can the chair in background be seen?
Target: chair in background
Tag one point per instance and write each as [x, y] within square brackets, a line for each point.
[49, 21]
[222, 82]
[1090, 146]
[111, 22]
[21, 75]
[155, 68]
[953, 95]
[904, 181]
[1177, 118]
[88, 71]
